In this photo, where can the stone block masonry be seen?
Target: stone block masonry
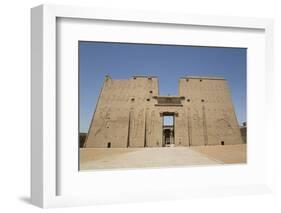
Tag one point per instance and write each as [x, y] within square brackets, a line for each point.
[130, 113]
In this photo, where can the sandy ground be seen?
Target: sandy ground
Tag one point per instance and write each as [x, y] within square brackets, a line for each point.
[117, 158]
[226, 154]
[114, 158]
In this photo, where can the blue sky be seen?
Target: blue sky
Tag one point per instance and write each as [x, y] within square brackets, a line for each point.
[167, 62]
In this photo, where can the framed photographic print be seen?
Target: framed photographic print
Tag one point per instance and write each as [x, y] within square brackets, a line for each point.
[130, 106]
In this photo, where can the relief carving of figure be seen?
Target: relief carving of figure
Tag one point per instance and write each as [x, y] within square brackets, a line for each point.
[105, 118]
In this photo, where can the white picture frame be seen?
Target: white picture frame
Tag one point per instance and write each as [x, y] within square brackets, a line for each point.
[47, 168]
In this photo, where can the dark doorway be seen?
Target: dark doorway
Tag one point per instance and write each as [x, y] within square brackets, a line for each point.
[168, 130]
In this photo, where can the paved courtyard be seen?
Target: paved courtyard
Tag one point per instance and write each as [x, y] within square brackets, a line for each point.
[118, 158]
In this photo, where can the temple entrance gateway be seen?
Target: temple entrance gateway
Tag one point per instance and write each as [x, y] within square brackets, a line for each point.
[131, 113]
[168, 130]
[168, 134]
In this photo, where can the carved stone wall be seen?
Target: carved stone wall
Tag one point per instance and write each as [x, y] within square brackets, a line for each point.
[129, 113]
[212, 117]
[120, 116]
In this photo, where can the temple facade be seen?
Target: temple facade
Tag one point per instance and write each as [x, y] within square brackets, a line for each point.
[131, 113]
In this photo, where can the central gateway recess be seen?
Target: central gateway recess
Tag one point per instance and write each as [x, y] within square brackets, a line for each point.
[168, 129]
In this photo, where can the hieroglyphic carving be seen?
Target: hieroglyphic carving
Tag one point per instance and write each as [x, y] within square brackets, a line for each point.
[138, 124]
[132, 122]
[152, 122]
[189, 126]
[205, 131]
[197, 120]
